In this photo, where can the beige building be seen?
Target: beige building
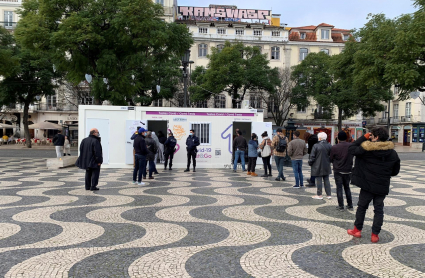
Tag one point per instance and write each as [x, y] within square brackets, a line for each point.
[8, 15]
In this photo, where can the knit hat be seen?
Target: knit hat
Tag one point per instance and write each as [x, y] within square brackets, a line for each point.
[264, 134]
[141, 130]
[342, 136]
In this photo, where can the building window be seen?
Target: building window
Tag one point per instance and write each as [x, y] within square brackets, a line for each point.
[325, 51]
[346, 37]
[202, 104]
[203, 50]
[161, 2]
[272, 105]
[302, 36]
[257, 32]
[221, 31]
[275, 53]
[51, 101]
[203, 30]
[86, 99]
[255, 102]
[384, 113]
[396, 91]
[239, 31]
[301, 109]
[395, 112]
[220, 101]
[8, 19]
[157, 103]
[408, 109]
[220, 47]
[203, 132]
[325, 34]
[275, 33]
[303, 53]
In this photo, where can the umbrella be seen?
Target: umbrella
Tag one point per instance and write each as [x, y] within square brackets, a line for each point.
[6, 126]
[45, 125]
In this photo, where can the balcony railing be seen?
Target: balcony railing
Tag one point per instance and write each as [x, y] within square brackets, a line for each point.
[408, 119]
[383, 120]
[395, 120]
[8, 25]
[370, 121]
[54, 107]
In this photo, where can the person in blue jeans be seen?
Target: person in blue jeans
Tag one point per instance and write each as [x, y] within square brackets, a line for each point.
[296, 150]
[239, 148]
[141, 151]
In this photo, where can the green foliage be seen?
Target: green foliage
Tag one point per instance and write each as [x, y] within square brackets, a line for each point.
[115, 39]
[236, 69]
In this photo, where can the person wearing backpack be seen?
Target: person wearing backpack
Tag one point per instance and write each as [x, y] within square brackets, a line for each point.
[266, 153]
[170, 148]
[279, 145]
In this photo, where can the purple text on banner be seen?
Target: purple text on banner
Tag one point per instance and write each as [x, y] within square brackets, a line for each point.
[200, 114]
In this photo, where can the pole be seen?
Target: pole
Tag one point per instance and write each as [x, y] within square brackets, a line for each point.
[388, 120]
[185, 84]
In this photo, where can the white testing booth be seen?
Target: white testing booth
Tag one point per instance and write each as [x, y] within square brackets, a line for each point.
[214, 127]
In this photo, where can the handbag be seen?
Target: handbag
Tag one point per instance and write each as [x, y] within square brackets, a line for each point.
[266, 150]
[287, 162]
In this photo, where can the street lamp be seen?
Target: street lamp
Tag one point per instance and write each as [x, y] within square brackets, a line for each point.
[290, 127]
[185, 62]
[37, 97]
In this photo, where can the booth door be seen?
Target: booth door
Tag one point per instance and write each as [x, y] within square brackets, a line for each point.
[258, 128]
[103, 126]
[130, 129]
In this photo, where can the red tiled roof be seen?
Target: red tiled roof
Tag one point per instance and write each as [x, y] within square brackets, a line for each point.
[295, 36]
[325, 25]
[337, 37]
[311, 27]
[341, 30]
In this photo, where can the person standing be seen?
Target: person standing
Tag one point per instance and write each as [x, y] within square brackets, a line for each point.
[279, 144]
[161, 139]
[67, 146]
[141, 152]
[59, 141]
[266, 153]
[376, 162]
[155, 138]
[170, 148]
[342, 162]
[191, 143]
[90, 159]
[310, 139]
[296, 150]
[252, 154]
[152, 150]
[135, 134]
[239, 148]
[321, 165]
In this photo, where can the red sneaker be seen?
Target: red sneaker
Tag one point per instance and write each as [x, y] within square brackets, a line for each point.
[355, 232]
[375, 238]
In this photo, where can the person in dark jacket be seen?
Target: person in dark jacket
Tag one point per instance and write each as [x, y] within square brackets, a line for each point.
[59, 141]
[239, 148]
[310, 139]
[141, 152]
[252, 154]
[321, 165]
[191, 143]
[342, 162]
[91, 158]
[376, 162]
[135, 134]
[152, 149]
[170, 148]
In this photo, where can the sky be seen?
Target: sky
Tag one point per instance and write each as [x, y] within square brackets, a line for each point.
[344, 14]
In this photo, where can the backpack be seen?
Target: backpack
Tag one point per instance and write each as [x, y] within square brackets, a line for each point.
[281, 147]
[266, 150]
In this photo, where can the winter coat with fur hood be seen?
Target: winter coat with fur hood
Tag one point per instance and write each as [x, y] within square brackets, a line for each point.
[376, 163]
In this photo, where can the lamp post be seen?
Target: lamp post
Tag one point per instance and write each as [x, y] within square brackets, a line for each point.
[185, 62]
[290, 127]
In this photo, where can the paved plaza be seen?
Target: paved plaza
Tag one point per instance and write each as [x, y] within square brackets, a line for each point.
[212, 223]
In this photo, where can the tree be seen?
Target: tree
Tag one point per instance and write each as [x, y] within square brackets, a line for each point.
[29, 75]
[123, 44]
[280, 101]
[236, 69]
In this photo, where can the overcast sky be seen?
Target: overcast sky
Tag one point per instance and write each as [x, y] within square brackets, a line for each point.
[346, 14]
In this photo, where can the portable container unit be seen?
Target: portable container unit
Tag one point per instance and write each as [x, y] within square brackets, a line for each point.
[215, 128]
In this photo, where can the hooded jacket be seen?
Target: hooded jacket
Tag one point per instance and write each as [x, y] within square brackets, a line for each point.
[152, 148]
[319, 159]
[139, 145]
[90, 153]
[376, 163]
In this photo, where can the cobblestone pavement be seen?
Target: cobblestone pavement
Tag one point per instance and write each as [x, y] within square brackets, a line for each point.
[212, 223]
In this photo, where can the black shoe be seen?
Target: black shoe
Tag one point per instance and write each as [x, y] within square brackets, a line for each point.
[156, 173]
[284, 179]
[277, 179]
[265, 176]
[187, 170]
[170, 169]
[151, 178]
[87, 188]
[64, 154]
[270, 175]
[144, 177]
[340, 208]
[244, 170]
[194, 170]
[165, 168]
[308, 181]
[310, 185]
[94, 188]
[234, 171]
[349, 207]
[69, 154]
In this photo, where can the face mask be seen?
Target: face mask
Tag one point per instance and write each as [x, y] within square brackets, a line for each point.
[98, 134]
[191, 134]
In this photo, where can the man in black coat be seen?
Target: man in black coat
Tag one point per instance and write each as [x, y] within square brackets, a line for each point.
[376, 162]
[191, 143]
[141, 152]
[170, 148]
[91, 158]
[59, 141]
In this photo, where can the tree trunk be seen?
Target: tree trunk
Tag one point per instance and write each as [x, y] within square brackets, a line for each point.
[339, 119]
[26, 129]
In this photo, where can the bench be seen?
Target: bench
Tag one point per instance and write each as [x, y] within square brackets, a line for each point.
[62, 162]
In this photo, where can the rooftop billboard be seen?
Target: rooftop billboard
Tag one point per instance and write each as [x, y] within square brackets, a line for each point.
[222, 12]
